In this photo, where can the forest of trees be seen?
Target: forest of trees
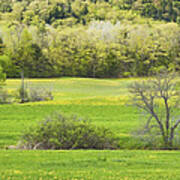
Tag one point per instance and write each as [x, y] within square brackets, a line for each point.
[89, 38]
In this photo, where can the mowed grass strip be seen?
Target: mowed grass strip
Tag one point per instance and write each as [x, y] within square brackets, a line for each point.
[90, 164]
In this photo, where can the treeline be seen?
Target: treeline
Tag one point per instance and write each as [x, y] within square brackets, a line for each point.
[101, 49]
[88, 38]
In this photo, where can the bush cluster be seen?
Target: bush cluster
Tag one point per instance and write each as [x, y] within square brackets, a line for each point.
[24, 94]
[67, 132]
[34, 94]
[5, 97]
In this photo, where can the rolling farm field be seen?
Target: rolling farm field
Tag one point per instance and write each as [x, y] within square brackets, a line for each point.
[105, 103]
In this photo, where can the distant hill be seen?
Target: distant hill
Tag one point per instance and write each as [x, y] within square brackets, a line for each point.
[70, 12]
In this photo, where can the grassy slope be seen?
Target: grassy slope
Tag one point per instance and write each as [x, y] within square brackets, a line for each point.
[104, 102]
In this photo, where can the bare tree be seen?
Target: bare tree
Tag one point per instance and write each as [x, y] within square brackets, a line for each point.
[159, 98]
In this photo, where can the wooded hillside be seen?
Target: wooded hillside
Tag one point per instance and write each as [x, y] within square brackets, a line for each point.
[89, 38]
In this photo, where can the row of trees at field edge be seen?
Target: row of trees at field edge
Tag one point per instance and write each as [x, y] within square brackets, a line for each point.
[101, 49]
[89, 38]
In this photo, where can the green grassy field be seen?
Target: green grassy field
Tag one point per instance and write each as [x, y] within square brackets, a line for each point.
[104, 102]
[89, 165]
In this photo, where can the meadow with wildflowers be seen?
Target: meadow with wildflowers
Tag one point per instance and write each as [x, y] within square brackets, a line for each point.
[106, 103]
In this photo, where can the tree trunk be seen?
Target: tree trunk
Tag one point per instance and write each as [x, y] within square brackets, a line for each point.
[168, 142]
[22, 87]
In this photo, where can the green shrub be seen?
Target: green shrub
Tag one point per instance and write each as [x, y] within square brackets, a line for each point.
[34, 93]
[67, 132]
[39, 94]
[5, 97]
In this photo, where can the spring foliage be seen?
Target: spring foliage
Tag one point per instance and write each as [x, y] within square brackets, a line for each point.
[90, 38]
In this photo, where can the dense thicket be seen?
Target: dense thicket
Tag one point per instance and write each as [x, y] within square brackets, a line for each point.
[89, 38]
[168, 10]
[81, 11]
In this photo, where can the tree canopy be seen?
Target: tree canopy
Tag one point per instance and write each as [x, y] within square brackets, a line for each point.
[89, 38]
